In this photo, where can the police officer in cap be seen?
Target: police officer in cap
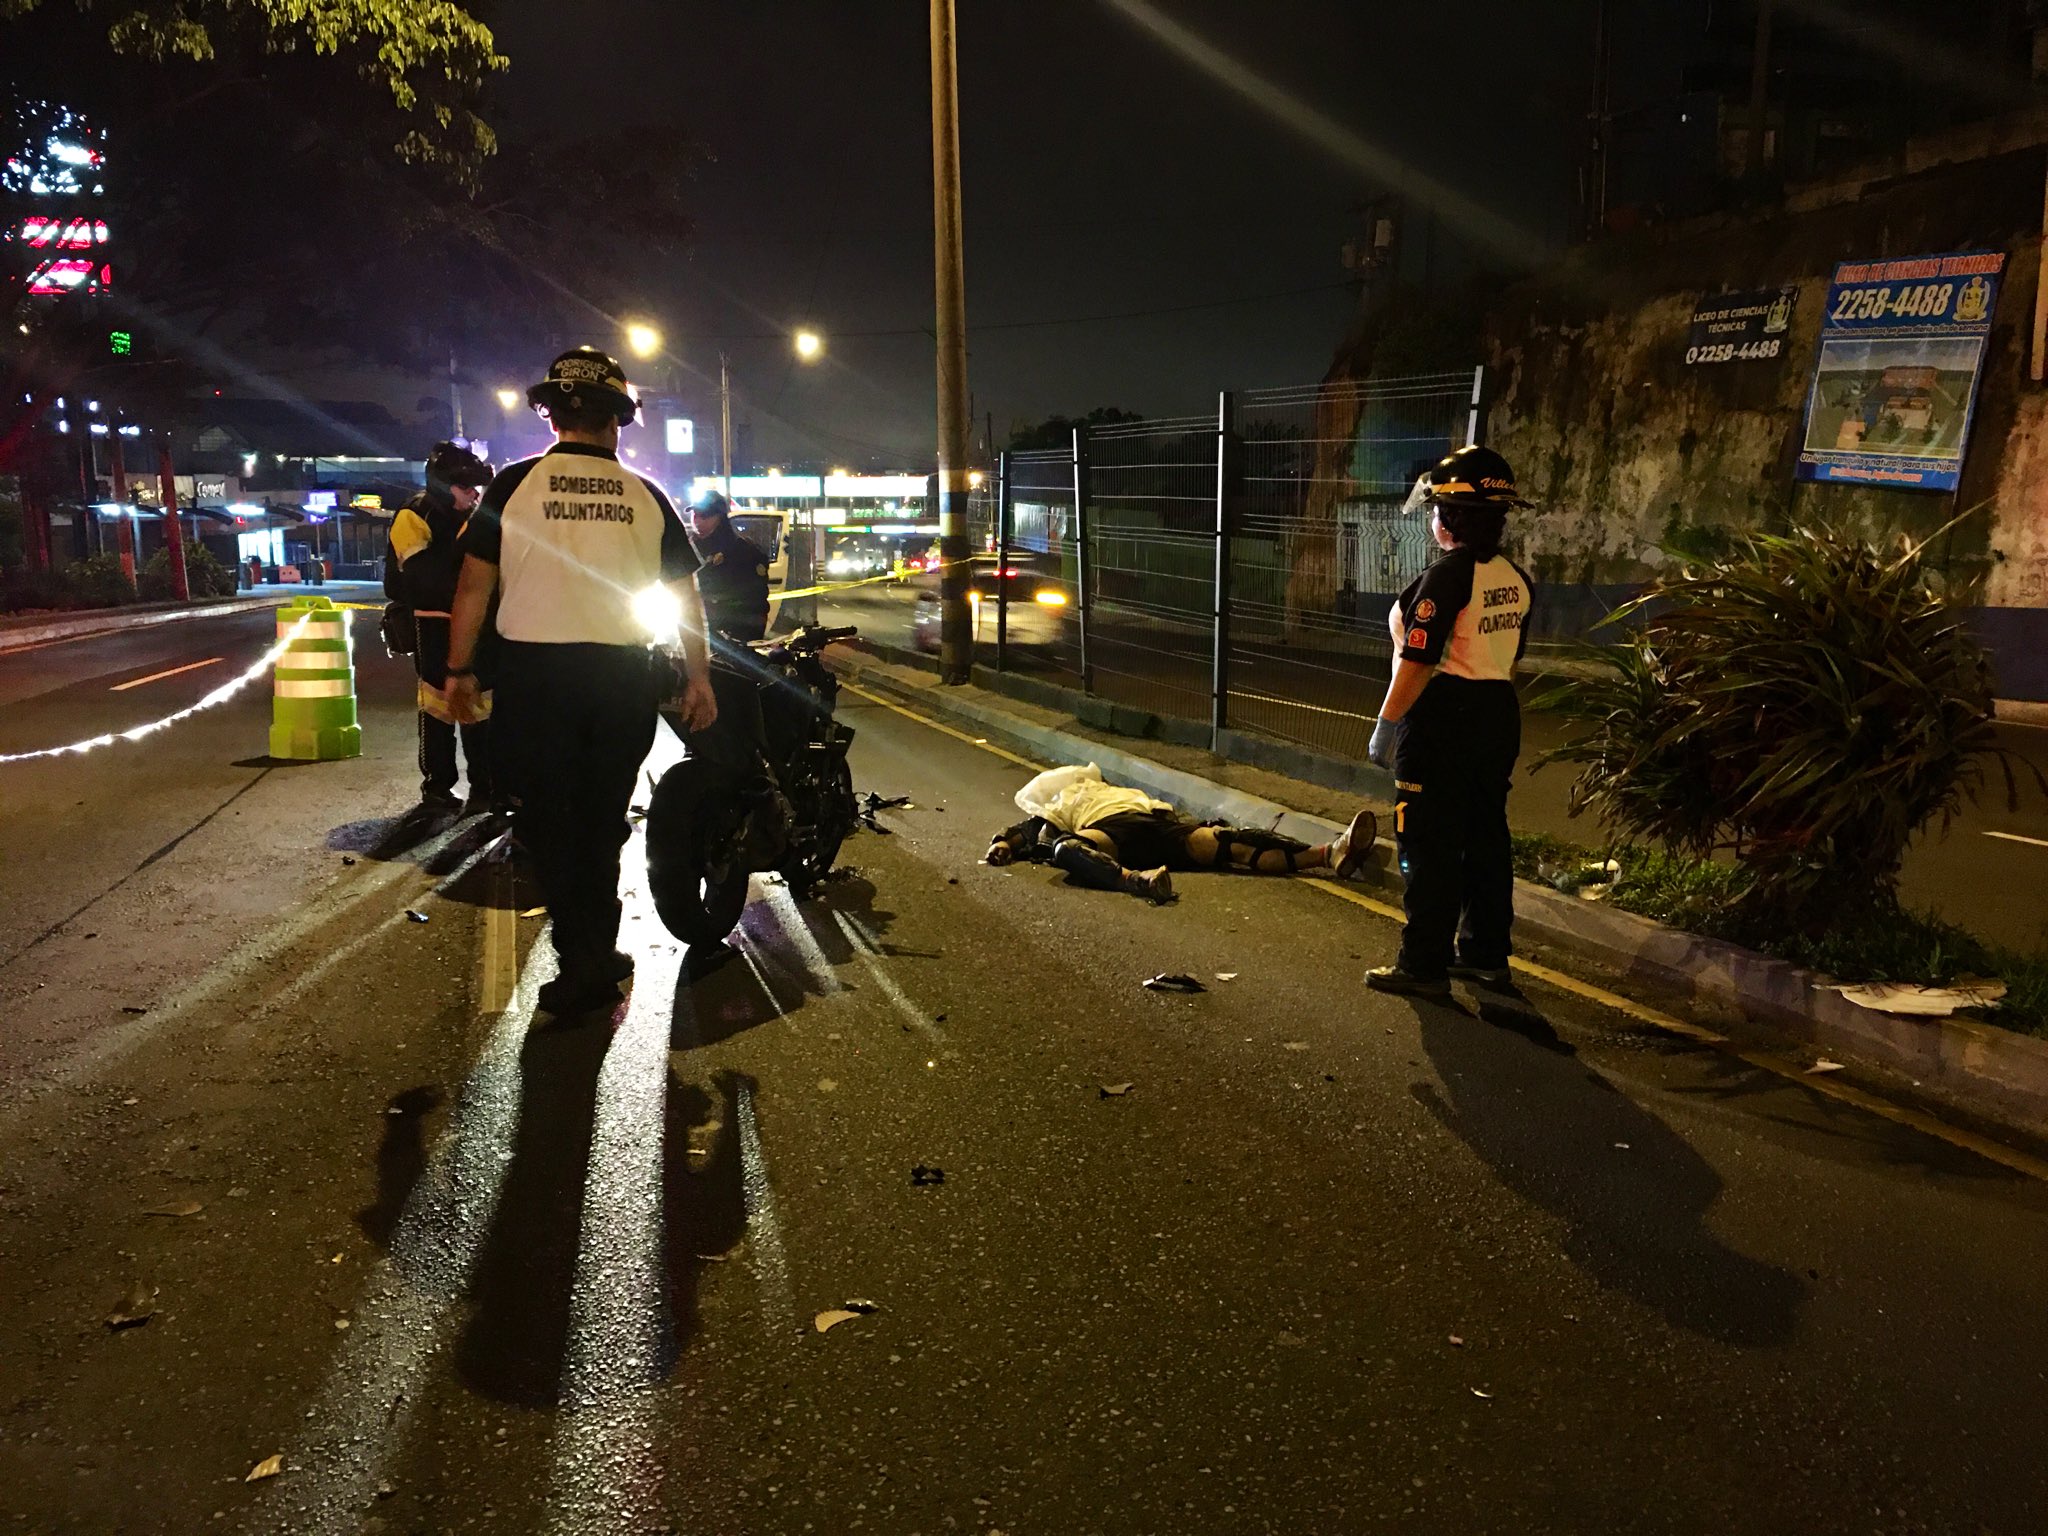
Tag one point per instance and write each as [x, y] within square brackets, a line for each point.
[589, 562]
[419, 572]
[732, 575]
[1451, 729]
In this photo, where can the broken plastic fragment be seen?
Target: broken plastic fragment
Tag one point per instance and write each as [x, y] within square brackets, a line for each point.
[1487, 1395]
[1456, 1342]
[923, 1176]
[414, 916]
[1226, 975]
[175, 1208]
[863, 1306]
[535, 912]
[269, 1466]
[1172, 982]
[1823, 1065]
[1293, 1045]
[826, 1321]
[1115, 1090]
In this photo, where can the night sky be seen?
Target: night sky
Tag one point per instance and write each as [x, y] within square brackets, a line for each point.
[1103, 173]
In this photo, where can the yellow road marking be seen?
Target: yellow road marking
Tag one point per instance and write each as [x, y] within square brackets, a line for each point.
[157, 677]
[1780, 1066]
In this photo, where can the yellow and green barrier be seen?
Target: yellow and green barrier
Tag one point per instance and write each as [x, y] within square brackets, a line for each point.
[313, 708]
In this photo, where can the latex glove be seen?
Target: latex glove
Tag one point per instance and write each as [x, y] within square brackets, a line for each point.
[1380, 750]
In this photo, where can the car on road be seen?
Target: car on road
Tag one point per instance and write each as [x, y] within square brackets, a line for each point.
[1040, 603]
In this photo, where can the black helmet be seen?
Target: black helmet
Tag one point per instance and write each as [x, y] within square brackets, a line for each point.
[452, 464]
[711, 502]
[586, 376]
[1471, 476]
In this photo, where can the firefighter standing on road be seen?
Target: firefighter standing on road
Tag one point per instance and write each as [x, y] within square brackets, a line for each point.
[590, 562]
[1451, 729]
[419, 571]
[733, 574]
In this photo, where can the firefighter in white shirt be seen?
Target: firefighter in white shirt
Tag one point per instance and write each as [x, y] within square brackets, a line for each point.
[575, 544]
[1451, 729]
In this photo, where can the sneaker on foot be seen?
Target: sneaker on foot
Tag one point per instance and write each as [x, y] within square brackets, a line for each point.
[439, 800]
[1391, 978]
[567, 996]
[1354, 846]
[615, 967]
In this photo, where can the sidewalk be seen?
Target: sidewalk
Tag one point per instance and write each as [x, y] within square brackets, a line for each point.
[22, 630]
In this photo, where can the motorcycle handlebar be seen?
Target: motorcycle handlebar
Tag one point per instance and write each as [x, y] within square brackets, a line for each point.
[818, 639]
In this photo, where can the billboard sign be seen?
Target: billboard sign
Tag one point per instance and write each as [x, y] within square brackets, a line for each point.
[1895, 382]
[1741, 327]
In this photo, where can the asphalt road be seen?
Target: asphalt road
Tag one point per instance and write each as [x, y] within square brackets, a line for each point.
[1334, 1262]
[1987, 872]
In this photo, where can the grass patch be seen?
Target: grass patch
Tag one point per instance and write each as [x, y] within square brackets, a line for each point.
[1885, 944]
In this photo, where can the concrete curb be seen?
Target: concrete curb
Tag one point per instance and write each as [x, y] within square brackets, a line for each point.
[16, 636]
[1989, 1073]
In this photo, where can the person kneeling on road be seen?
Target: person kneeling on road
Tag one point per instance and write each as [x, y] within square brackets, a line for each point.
[1451, 729]
[1114, 839]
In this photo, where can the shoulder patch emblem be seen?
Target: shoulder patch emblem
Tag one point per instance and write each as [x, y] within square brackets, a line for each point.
[1425, 611]
[1418, 639]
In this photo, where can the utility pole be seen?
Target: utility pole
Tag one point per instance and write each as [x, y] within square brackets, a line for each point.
[1759, 94]
[174, 526]
[956, 639]
[725, 422]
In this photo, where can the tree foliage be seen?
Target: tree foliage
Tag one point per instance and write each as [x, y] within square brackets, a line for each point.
[1810, 702]
[1058, 431]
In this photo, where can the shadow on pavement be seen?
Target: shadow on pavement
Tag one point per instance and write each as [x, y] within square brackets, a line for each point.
[1634, 1194]
[705, 1213]
[511, 1348]
[401, 1159]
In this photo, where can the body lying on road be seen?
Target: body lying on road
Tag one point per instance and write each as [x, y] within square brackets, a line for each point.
[1111, 838]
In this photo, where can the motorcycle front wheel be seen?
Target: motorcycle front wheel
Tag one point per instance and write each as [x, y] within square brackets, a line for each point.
[828, 808]
[699, 902]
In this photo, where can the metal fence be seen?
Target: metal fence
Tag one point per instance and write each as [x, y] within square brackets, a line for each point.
[1234, 568]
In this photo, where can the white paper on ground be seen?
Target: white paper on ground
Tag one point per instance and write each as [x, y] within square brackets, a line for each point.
[1923, 1002]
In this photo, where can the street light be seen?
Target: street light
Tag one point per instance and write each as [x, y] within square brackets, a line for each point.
[809, 345]
[643, 339]
[508, 398]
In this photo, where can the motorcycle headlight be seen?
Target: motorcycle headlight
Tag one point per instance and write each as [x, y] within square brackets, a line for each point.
[660, 612]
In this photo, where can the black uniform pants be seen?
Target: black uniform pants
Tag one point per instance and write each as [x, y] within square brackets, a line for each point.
[437, 757]
[437, 736]
[574, 724]
[1452, 766]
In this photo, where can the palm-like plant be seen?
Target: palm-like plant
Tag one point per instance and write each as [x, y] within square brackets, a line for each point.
[1808, 701]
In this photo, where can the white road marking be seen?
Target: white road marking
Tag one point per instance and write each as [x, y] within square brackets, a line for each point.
[157, 677]
[607, 1474]
[2014, 837]
[867, 951]
[375, 1382]
[764, 1222]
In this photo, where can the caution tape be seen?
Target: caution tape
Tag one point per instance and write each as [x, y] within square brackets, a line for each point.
[219, 695]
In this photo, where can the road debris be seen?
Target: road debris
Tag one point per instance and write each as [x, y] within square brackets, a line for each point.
[413, 915]
[131, 1008]
[348, 860]
[924, 1177]
[1486, 1395]
[1822, 1066]
[827, 1320]
[1226, 975]
[1114, 1090]
[1457, 1342]
[269, 1466]
[134, 1309]
[1172, 982]
[1926, 1002]
[175, 1208]
[872, 804]
[535, 912]
[1293, 1045]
